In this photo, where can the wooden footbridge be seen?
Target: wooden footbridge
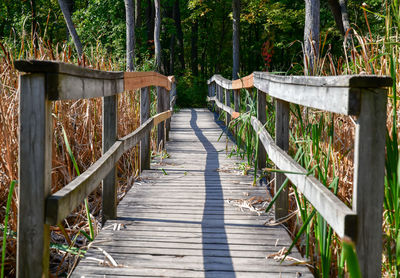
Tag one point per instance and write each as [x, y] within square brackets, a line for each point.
[187, 215]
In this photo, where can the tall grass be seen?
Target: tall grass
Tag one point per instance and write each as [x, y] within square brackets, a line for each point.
[81, 121]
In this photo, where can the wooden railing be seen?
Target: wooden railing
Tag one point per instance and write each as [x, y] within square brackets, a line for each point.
[43, 82]
[364, 97]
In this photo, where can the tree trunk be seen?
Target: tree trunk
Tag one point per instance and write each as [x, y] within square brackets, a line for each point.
[337, 14]
[71, 27]
[33, 22]
[150, 22]
[157, 29]
[130, 35]
[311, 36]
[194, 60]
[340, 14]
[345, 15]
[176, 14]
[236, 38]
[172, 55]
[138, 15]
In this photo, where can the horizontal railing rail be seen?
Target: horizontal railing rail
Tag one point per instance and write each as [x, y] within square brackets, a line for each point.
[42, 82]
[362, 96]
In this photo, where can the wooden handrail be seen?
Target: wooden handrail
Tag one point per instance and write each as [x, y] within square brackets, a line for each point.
[363, 96]
[47, 81]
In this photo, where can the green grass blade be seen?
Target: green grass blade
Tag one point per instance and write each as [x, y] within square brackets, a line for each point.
[71, 155]
[3, 251]
[351, 259]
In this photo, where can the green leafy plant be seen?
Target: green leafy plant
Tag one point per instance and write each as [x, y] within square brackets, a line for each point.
[5, 231]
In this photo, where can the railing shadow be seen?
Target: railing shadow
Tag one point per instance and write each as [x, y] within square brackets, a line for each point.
[214, 199]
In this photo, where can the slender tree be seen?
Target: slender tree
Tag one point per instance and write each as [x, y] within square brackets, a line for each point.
[70, 25]
[311, 35]
[178, 25]
[194, 53]
[130, 35]
[340, 14]
[157, 29]
[138, 15]
[236, 38]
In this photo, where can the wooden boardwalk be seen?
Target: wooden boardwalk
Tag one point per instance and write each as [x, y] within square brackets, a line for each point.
[182, 219]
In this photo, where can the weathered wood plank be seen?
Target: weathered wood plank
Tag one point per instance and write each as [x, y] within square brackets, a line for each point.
[34, 174]
[282, 117]
[61, 203]
[182, 224]
[335, 212]
[262, 117]
[369, 172]
[137, 80]
[160, 125]
[144, 116]
[109, 136]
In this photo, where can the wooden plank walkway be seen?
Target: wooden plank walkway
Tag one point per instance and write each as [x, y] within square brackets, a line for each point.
[185, 223]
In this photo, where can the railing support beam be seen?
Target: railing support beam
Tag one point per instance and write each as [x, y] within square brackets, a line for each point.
[369, 172]
[261, 116]
[109, 194]
[282, 140]
[227, 103]
[144, 116]
[160, 109]
[34, 171]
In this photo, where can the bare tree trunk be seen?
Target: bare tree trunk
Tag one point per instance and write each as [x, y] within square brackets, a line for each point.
[138, 15]
[172, 55]
[176, 14]
[340, 14]
[71, 27]
[130, 35]
[34, 23]
[345, 15]
[194, 59]
[311, 36]
[150, 21]
[157, 29]
[236, 38]
[337, 14]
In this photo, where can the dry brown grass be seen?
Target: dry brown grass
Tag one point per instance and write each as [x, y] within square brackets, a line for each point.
[82, 121]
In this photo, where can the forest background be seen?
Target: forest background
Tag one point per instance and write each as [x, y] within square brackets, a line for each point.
[196, 35]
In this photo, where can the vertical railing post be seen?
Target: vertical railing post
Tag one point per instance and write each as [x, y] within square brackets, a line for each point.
[144, 116]
[166, 108]
[109, 194]
[236, 100]
[261, 116]
[34, 171]
[282, 141]
[160, 109]
[227, 103]
[218, 92]
[369, 171]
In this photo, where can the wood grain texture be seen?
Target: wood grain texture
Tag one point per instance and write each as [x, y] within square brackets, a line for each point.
[262, 117]
[137, 80]
[34, 174]
[341, 218]
[160, 125]
[144, 116]
[185, 223]
[228, 104]
[369, 173]
[282, 117]
[60, 204]
[109, 137]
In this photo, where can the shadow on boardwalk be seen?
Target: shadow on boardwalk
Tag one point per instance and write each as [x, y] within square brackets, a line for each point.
[212, 182]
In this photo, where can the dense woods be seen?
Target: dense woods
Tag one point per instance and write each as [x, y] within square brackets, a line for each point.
[197, 38]
[192, 40]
